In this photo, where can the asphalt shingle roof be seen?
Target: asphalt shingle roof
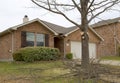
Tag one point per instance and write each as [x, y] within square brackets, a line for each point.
[59, 29]
[56, 28]
[106, 22]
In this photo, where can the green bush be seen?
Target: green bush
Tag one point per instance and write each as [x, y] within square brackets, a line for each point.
[118, 51]
[18, 57]
[30, 54]
[69, 56]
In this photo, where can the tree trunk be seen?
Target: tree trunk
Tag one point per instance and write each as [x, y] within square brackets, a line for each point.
[84, 36]
[85, 42]
[85, 50]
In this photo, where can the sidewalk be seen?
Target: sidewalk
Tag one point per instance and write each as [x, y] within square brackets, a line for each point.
[110, 62]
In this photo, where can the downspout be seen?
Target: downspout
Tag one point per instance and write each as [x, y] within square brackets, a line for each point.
[115, 43]
[12, 43]
[116, 40]
[64, 52]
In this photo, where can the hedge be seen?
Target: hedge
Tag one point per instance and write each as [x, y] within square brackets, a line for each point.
[30, 54]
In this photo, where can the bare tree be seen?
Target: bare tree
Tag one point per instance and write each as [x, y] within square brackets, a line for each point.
[87, 10]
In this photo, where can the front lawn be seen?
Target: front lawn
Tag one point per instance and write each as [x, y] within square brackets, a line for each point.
[37, 72]
[111, 58]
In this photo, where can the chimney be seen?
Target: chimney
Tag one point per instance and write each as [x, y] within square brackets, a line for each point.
[25, 19]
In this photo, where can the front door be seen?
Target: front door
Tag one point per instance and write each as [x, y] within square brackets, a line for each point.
[59, 43]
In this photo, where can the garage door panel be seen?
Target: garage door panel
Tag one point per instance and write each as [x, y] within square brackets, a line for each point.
[76, 49]
[92, 50]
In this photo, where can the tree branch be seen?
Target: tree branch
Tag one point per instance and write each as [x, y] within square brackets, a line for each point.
[100, 6]
[77, 6]
[90, 5]
[44, 2]
[57, 12]
[106, 8]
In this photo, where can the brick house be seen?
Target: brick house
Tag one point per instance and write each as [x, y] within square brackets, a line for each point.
[41, 33]
[109, 30]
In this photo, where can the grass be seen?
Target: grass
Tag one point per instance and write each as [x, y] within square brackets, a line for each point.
[12, 66]
[21, 70]
[36, 72]
[111, 58]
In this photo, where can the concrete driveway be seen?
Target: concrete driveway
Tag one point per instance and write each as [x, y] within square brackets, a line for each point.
[110, 62]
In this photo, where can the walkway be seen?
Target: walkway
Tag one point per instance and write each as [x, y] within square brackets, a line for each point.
[110, 62]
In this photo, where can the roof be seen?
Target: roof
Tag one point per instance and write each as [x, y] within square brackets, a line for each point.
[49, 26]
[59, 29]
[56, 29]
[106, 22]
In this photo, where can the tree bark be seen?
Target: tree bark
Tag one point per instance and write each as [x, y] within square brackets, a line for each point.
[85, 50]
[85, 44]
[84, 36]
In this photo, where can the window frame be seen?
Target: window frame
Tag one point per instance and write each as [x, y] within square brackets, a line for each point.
[33, 40]
[24, 38]
[36, 38]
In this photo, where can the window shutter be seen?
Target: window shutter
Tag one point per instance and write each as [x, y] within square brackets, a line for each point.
[23, 39]
[46, 40]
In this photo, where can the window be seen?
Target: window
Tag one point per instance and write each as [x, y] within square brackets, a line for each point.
[30, 38]
[34, 39]
[40, 39]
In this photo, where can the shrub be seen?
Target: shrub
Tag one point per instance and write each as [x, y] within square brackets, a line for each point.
[30, 54]
[17, 56]
[118, 51]
[69, 56]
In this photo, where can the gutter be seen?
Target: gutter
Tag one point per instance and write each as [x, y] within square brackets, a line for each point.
[6, 31]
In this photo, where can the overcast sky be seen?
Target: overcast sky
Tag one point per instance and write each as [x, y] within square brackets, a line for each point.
[13, 11]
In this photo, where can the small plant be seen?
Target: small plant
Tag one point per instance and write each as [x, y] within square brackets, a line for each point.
[69, 56]
[118, 51]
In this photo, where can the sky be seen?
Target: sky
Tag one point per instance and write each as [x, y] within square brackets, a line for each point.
[13, 11]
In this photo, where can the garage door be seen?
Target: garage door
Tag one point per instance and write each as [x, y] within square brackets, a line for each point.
[77, 51]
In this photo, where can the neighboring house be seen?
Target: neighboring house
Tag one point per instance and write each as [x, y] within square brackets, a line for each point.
[41, 33]
[109, 30]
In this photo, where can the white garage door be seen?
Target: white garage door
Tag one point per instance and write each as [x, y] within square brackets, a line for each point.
[77, 51]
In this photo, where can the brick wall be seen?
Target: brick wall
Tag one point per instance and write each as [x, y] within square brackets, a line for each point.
[5, 47]
[108, 32]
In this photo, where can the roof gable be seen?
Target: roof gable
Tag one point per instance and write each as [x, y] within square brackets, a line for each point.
[38, 20]
[75, 28]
